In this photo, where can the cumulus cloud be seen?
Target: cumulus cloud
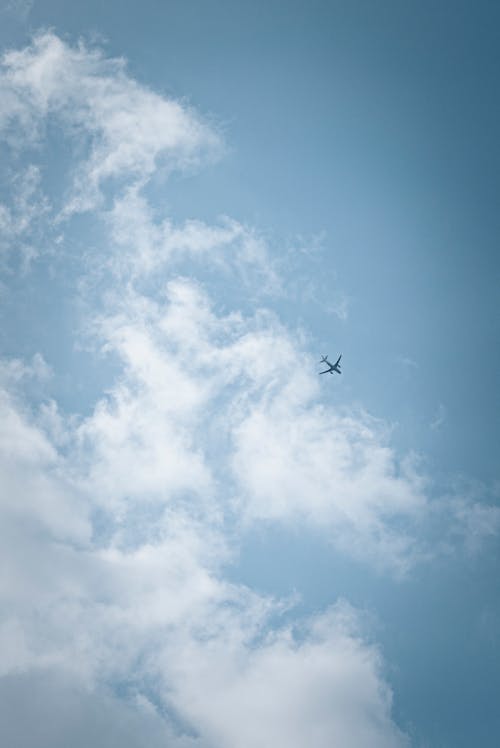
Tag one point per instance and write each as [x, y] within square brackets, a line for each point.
[98, 607]
[317, 686]
[84, 717]
[301, 463]
[282, 447]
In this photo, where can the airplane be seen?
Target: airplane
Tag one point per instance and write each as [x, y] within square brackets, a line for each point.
[332, 367]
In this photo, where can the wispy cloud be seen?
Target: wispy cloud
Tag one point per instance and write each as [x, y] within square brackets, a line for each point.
[17, 8]
[126, 130]
[23, 217]
[439, 418]
[406, 362]
[144, 246]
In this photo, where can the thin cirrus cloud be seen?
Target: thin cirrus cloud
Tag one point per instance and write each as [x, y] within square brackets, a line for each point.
[117, 523]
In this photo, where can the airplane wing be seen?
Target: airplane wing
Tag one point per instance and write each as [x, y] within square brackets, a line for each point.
[327, 371]
[338, 360]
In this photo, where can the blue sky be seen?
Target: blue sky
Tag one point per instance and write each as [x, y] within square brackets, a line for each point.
[204, 541]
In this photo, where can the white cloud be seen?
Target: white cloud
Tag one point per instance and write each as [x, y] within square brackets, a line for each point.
[406, 362]
[137, 597]
[144, 246]
[18, 8]
[473, 521]
[14, 370]
[317, 686]
[439, 418]
[128, 129]
[206, 395]
[303, 462]
[292, 459]
[158, 617]
[123, 133]
[21, 218]
[31, 481]
[48, 708]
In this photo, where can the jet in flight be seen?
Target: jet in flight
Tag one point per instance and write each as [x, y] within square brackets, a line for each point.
[331, 367]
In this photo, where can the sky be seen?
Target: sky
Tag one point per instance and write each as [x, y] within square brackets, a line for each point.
[204, 544]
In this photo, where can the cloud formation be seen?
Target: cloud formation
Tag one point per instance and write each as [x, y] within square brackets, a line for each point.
[117, 523]
[22, 217]
[125, 129]
[101, 606]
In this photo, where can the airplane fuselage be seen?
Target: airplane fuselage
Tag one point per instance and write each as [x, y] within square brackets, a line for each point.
[331, 367]
[331, 370]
